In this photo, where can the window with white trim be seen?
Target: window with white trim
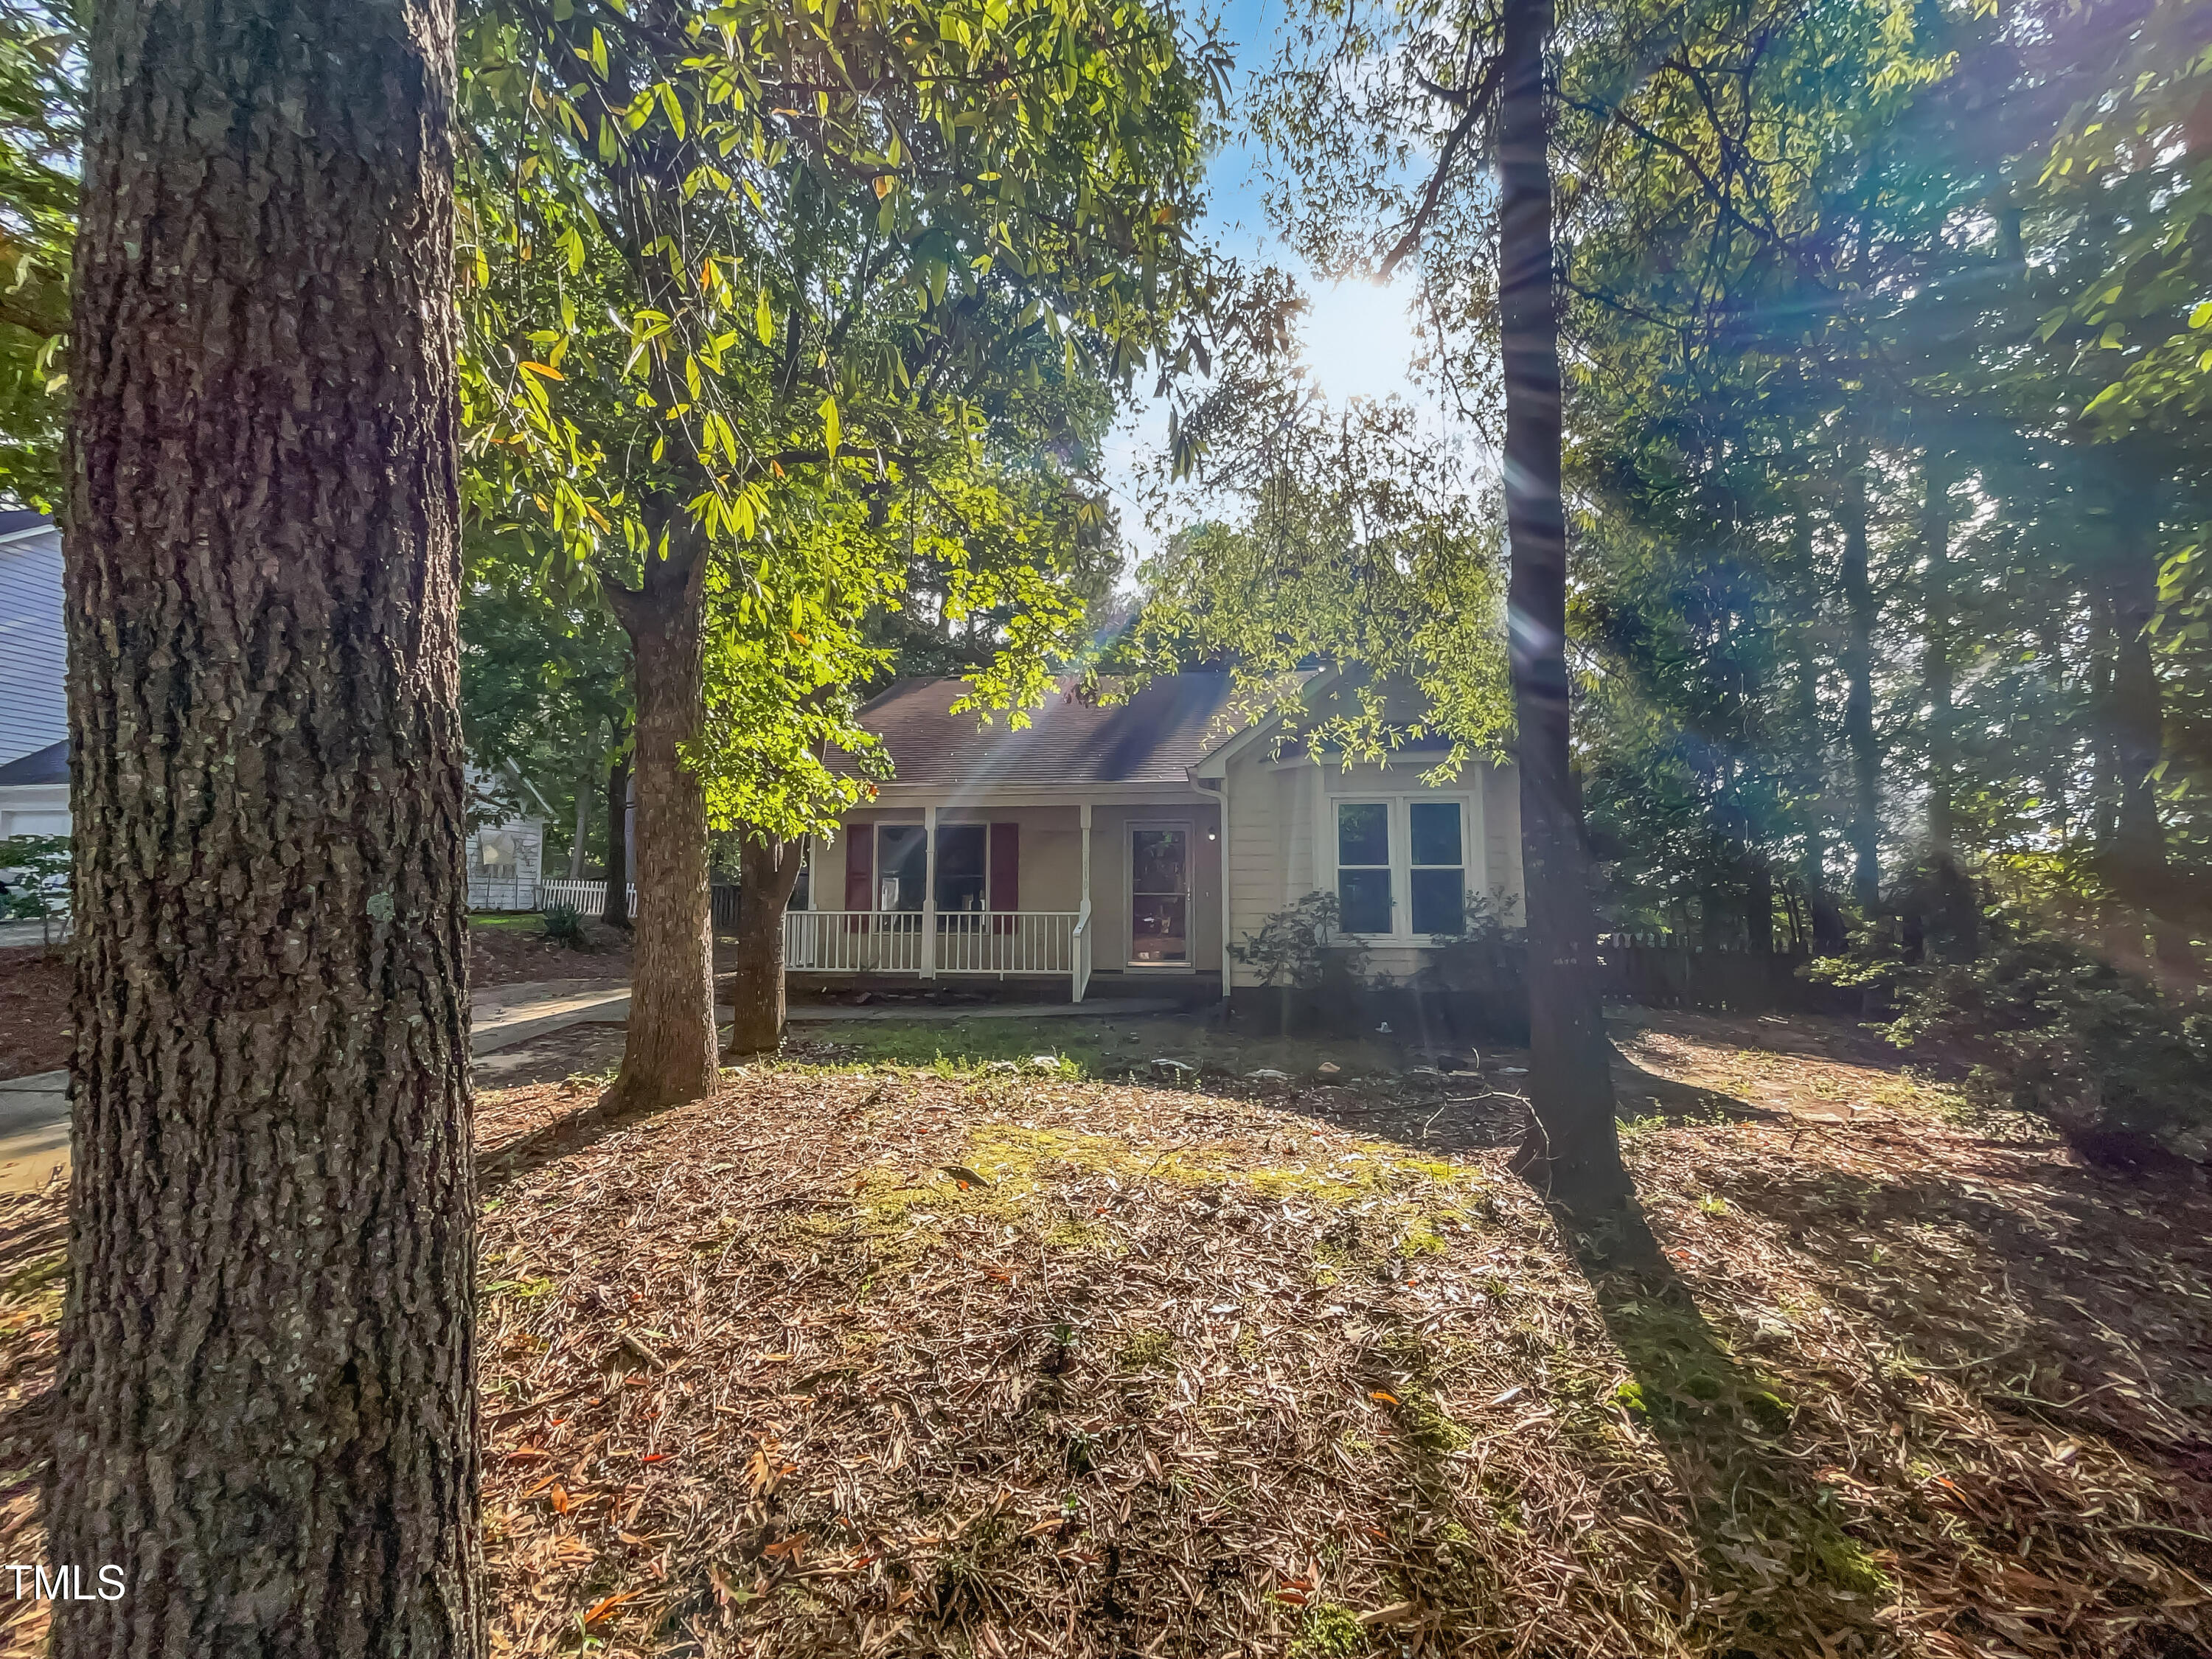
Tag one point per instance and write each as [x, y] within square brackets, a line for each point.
[1436, 883]
[1363, 897]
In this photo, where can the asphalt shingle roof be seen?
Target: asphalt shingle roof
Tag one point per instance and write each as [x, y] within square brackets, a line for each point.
[47, 765]
[1153, 738]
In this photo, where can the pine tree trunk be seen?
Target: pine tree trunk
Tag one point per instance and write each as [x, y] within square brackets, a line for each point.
[267, 1400]
[1759, 906]
[2103, 759]
[615, 910]
[1935, 653]
[670, 1056]
[1865, 827]
[2137, 852]
[1823, 923]
[767, 872]
[1575, 1146]
[1953, 924]
[583, 825]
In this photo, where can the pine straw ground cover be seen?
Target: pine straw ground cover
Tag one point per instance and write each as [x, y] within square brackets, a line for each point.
[871, 1360]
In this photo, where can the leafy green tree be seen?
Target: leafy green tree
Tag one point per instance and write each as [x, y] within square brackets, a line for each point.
[41, 70]
[733, 262]
[544, 683]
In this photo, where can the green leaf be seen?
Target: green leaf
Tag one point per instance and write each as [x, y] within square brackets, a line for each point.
[829, 428]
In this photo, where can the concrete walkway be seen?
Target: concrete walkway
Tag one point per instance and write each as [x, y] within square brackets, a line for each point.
[34, 1128]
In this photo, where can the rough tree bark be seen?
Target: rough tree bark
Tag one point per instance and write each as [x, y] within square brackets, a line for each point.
[615, 910]
[670, 1054]
[1574, 1144]
[766, 872]
[266, 1406]
[1864, 828]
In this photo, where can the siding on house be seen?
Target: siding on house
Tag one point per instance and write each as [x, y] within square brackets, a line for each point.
[1281, 816]
[504, 886]
[34, 652]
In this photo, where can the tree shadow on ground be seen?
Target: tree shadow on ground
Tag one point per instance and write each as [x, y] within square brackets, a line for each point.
[2073, 1301]
[1472, 1113]
[1780, 1571]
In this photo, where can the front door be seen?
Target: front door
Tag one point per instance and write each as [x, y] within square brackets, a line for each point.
[1159, 897]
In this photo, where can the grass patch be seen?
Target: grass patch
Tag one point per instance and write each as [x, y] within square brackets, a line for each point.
[1328, 1632]
[1147, 1350]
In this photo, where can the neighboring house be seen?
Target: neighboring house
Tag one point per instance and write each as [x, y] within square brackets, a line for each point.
[35, 794]
[503, 858]
[506, 860]
[1091, 845]
[34, 652]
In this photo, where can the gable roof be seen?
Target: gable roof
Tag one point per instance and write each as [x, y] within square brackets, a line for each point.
[1154, 738]
[47, 765]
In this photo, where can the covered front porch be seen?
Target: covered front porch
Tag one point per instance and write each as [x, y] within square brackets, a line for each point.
[1013, 889]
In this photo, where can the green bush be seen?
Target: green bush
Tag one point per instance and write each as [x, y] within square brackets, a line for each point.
[30, 862]
[1300, 953]
[564, 925]
[2119, 1066]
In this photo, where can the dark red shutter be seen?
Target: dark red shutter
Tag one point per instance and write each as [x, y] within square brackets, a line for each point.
[859, 866]
[1005, 866]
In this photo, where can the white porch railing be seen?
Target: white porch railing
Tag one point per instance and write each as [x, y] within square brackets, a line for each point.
[589, 896]
[853, 941]
[1006, 942]
[1042, 942]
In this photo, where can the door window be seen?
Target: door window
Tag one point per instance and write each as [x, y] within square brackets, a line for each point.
[1159, 897]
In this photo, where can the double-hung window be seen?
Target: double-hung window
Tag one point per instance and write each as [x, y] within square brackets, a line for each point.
[1437, 876]
[1401, 879]
[1363, 898]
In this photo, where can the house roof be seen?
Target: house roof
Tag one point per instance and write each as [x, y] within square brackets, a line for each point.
[1154, 738]
[47, 765]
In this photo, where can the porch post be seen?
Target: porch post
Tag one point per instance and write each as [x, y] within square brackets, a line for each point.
[929, 893]
[1221, 875]
[1079, 964]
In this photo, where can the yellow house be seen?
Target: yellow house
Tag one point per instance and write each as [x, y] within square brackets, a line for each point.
[1128, 844]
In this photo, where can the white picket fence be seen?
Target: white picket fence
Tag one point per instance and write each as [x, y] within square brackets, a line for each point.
[588, 896]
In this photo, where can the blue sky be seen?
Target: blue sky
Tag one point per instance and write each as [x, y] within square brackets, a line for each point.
[1357, 341]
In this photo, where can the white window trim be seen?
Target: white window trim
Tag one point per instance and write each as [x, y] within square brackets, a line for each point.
[1401, 833]
[1129, 962]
